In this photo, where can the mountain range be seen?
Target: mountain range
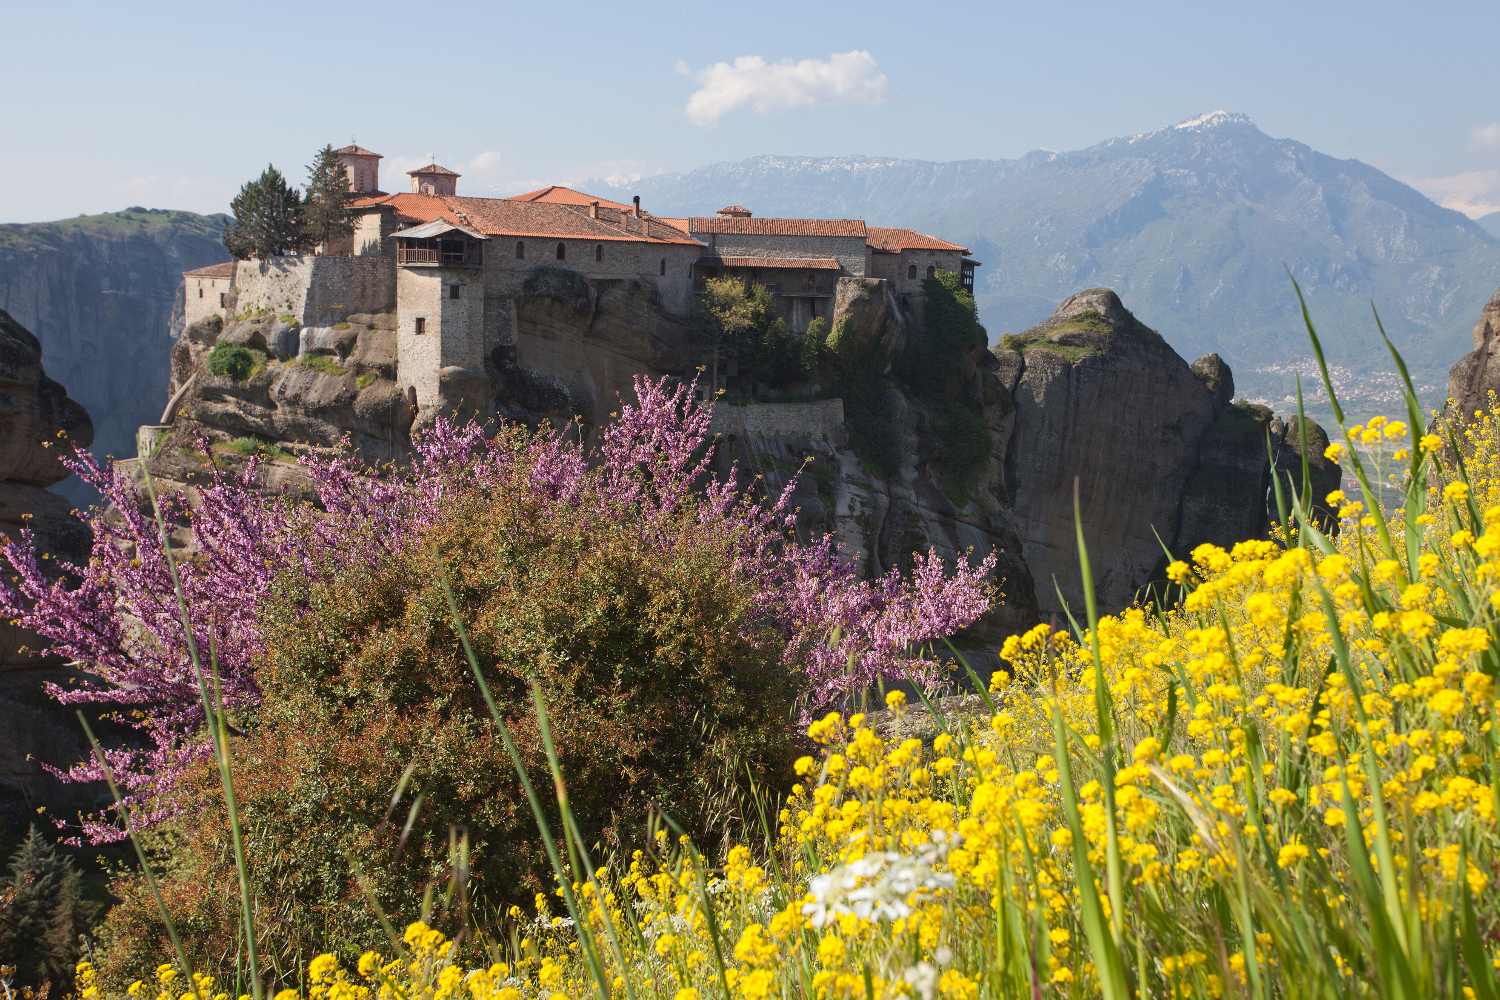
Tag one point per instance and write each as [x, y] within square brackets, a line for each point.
[103, 295]
[1195, 226]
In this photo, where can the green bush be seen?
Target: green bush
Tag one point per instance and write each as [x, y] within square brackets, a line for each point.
[664, 691]
[234, 360]
[322, 363]
[739, 320]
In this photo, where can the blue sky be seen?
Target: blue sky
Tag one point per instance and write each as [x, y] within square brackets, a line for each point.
[175, 105]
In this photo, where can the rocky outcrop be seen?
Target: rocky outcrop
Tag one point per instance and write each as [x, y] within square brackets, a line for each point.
[103, 294]
[573, 349]
[1161, 455]
[1477, 374]
[37, 422]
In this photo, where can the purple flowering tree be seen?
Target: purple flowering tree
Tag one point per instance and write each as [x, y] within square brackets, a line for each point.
[118, 616]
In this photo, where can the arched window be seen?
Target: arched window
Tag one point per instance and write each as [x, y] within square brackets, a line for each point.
[664, 265]
[911, 273]
[599, 251]
[520, 249]
[931, 271]
[562, 252]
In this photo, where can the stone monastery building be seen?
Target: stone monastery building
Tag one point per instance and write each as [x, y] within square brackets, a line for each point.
[450, 266]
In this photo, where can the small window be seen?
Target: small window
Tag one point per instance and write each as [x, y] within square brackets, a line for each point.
[664, 265]
[931, 271]
[911, 273]
[421, 326]
[599, 252]
[562, 252]
[520, 249]
[200, 293]
[454, 291]
[222, 304]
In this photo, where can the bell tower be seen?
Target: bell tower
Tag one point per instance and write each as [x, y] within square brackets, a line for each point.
[363, 167]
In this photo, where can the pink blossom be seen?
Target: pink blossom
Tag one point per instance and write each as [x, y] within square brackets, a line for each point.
[118, 616]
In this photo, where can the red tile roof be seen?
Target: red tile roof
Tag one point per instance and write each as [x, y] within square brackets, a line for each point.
[358, 151]
[674, 223]
[224, 270]
[504, 217]
[779, 227]
[896, 240]
[559, 195]
[433, 168]
[789, 263]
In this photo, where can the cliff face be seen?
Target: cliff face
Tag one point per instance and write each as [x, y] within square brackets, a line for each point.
[101, 293]
[1477, 374]
[1158, 447]
[37, 422]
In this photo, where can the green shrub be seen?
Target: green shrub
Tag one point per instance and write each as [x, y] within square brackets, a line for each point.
[366, 380]
[321, 363]
[234, 360]
[663, 686]
[739, 321]
[341, 325]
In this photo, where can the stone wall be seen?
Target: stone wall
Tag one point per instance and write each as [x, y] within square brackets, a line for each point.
[316, 290]
[894, 267]
[820, 420]
[204, 297]
[852, 253]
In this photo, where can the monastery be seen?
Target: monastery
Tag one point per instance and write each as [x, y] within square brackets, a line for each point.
[450, 266]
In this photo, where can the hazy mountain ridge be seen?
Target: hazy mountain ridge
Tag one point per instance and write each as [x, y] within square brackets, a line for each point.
[1190, 224]
[101, 294]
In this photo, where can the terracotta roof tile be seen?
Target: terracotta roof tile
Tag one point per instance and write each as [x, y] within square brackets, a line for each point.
[224, 270]
[433, 168]
[779, 227]
[504, 217]
[896, 240]
[559, 195]
[358, 151]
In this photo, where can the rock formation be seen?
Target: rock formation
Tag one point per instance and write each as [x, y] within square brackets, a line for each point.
[103, 294]
[37, 422]
[1477, 374]
[1162, 454]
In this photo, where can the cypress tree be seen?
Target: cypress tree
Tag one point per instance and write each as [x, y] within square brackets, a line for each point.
[39, 929]
[267, 218]
[325, 212]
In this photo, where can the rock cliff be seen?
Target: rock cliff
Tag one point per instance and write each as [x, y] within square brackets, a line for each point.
[37, 422]
[976, 454]
[102, 294]
[1162, 455]
[1477, 374]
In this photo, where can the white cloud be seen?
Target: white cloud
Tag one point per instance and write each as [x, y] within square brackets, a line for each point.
[683, 68]
[1485, 136]
[1474, 193]
[845, 78]
[485, 162]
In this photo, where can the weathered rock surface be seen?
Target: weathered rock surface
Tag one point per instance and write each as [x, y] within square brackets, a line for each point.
[1477, 374]
[103, 294]
[37, 422]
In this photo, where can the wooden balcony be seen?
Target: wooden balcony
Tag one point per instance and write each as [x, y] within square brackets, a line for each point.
[439, 253]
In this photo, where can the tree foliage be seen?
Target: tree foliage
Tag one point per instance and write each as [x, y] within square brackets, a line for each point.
[39, 928]
[325, 210]
[268, 218]
[740, 322]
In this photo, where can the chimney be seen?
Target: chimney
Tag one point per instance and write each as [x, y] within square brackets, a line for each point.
[594, 209]
[637, 210]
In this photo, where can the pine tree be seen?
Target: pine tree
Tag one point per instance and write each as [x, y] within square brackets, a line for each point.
[39, 929]
[267, 218]
[325, 212]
